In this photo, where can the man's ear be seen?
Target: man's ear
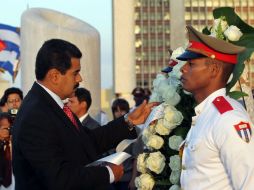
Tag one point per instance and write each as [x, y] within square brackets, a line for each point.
[54, 76]
[84, 105]
[215, 68]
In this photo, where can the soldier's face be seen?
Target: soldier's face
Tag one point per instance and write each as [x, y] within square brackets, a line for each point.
[196, 76]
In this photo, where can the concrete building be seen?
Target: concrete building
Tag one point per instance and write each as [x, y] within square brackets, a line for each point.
[151, 27]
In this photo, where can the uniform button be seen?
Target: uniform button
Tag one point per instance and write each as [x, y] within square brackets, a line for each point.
[183, 167]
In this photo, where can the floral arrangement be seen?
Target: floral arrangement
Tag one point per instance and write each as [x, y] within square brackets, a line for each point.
[160, 164]
[230, 27]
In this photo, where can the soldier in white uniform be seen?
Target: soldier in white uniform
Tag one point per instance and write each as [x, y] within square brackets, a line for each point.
[219, 148]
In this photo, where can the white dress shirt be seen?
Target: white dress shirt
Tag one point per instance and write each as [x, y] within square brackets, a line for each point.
[83, 117]
[215, 157]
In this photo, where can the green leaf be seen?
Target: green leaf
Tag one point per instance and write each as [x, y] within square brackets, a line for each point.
[237, 94]
[163, 182]
[238, 70]
[247, 40]
[206, 31]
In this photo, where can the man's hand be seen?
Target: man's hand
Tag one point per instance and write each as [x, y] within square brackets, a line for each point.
[140, 114]
[117, 171]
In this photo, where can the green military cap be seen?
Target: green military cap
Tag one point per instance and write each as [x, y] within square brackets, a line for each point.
[202, 45]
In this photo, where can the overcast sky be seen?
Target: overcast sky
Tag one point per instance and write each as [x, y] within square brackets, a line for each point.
[97, 13]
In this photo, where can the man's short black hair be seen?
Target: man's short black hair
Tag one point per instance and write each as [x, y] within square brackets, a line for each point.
[12, 90]
[55, 53]
[120, 103]
[82, 95]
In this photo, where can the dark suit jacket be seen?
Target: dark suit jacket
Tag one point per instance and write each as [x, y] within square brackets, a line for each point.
[90, 123]
[49, 153]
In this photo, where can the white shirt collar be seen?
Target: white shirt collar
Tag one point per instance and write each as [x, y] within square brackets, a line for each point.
[83, 117]
[53, 95]
[199, 108]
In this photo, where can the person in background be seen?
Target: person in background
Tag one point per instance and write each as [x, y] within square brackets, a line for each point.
[219, 148]
[51, 148]
[3, 106]
[147, 94]
[13, 98]
[6, 180]
[119, 108]
[138, 97]
[80, 104]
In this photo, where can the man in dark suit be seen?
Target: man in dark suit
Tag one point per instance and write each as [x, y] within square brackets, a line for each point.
[80, 104]
[50, 147]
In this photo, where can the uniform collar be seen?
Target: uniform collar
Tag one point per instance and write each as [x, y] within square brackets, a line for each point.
[199, 108]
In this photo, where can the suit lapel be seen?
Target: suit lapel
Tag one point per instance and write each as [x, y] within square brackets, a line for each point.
[82, 135]
[85, 121]
[54, 107]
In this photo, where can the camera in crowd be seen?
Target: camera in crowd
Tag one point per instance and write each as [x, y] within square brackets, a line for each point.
[13, 113]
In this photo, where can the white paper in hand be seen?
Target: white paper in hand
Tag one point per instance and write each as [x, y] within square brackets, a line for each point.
[124, 144]
[116, 158]
[156, 113]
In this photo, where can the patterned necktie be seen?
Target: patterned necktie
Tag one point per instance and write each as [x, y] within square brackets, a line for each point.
[69, 113]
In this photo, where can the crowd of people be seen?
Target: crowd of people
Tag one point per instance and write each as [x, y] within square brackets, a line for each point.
[10, 103]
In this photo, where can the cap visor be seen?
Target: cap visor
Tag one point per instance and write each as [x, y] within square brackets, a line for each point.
[167, 69]
[187, 55]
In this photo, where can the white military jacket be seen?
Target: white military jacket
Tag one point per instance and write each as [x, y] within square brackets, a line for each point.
[219, 148]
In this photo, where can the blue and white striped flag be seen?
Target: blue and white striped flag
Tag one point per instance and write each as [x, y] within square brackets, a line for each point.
[10, 51]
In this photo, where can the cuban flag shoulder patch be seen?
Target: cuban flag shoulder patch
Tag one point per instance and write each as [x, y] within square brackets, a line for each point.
[244, 131]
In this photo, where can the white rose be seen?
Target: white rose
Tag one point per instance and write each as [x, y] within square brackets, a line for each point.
[156, 162]
[161, 129]
[176, 72]
[144, 182]
[175, 177]
[219, 21]
[146, 135]
[151, 128]
[174, 142]
[233, 33]
[170, 96]
[141, 165]
[173, 81]
[159, 78]
[162, 85]
[155, 142]
[175, 162]
[155, 97]
[174, 187]
[172, 117]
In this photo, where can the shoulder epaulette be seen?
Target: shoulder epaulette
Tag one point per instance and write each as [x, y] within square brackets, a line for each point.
[222, 104]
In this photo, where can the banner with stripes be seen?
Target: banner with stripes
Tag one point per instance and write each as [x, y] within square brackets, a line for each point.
[9, 48]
